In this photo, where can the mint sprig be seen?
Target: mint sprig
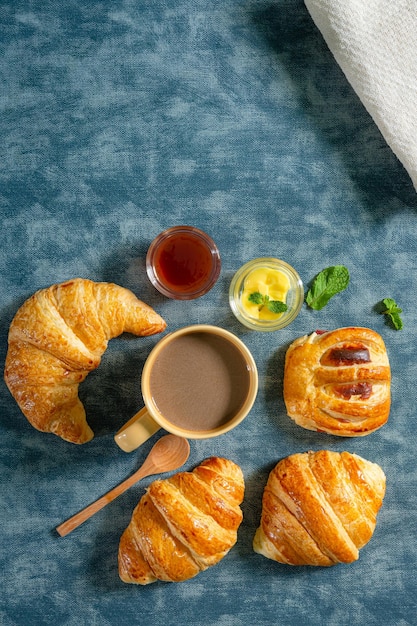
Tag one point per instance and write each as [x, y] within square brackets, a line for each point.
[327, 284]
[392, 310]
[275, 306]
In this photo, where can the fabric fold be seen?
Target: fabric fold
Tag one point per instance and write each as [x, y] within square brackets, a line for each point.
[375, 44]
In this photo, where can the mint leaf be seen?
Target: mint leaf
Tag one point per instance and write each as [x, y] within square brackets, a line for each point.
[256, 298]
[392, 310]
[275, 306]
[327, 284]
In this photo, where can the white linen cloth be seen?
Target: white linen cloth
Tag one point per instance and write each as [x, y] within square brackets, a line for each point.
[375, 44]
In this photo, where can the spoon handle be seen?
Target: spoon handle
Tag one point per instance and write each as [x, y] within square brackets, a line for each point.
[76, 520]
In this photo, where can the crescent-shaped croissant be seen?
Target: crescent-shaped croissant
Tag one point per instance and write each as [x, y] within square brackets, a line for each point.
[319, 508]
[338, 382]
[183, 524]
[56, 338]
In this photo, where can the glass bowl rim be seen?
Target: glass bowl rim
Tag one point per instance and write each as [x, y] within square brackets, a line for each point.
[296, 287]
[211, 247]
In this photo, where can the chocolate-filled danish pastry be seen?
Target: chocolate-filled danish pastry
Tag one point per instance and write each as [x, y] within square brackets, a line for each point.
[338, 382]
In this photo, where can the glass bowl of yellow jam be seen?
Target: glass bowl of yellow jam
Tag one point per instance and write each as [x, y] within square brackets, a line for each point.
[266, 294]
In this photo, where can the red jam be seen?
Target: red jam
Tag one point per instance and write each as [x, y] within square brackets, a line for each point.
[183, 262]
[347, 355]
[363, 390]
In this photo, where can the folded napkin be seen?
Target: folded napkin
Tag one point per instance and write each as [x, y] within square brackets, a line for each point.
[375, 44]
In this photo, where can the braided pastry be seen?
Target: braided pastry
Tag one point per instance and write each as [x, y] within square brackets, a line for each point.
[319, 508]
[338, 382]
[183, 524]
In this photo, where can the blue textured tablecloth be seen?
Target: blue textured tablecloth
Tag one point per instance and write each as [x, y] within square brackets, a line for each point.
[119, 119]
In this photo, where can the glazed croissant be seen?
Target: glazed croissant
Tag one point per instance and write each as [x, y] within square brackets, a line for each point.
[319, 508]
[183, 524]
[56, 338]
[338, 382]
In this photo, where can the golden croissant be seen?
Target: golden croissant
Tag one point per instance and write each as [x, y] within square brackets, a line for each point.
[338, 382]
[183, 524]
[319, 508]
[56, 338]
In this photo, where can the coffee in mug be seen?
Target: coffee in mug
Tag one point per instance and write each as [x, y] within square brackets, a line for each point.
[198, 382]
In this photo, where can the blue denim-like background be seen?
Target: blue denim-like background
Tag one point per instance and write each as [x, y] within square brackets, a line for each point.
[119, 119]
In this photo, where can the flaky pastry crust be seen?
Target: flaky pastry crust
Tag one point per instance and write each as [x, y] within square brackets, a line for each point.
[57, 337]
[338, 382]
[319, 508]
[183, 524]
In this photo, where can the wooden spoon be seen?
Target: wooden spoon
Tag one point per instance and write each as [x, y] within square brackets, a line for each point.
[169, 453]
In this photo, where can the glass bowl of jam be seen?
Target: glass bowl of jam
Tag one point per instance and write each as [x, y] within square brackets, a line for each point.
[266, 294]
[183, 263]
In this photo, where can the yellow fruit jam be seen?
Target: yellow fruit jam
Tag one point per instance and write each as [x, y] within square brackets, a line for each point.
[268, 282]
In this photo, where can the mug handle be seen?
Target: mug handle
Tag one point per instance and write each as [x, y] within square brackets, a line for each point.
[136, 431]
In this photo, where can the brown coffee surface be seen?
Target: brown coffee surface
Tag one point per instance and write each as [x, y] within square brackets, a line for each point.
[199, 381]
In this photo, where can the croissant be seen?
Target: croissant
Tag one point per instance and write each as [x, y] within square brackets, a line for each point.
[338, 382]
[56, 338]
[319, 508]
[183, 524]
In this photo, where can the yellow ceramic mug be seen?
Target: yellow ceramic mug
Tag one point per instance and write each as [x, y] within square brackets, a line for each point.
[198, 382]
